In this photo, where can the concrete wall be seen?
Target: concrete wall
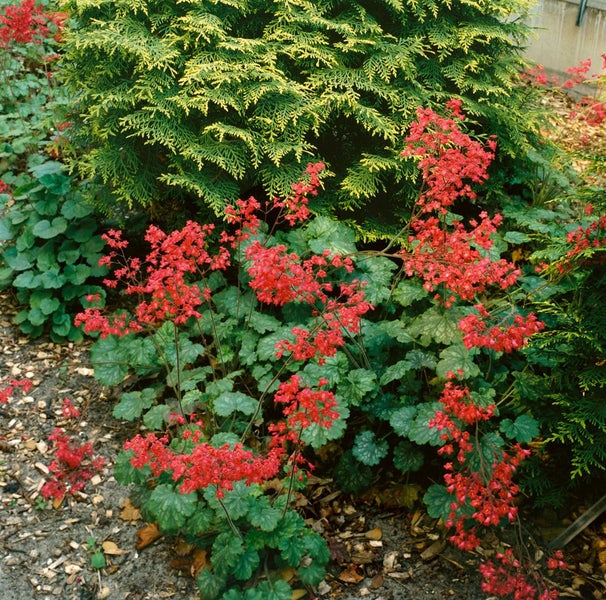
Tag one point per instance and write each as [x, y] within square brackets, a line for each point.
[560, 43]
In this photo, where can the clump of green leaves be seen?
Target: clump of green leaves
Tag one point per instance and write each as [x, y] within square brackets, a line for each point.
[51, 250]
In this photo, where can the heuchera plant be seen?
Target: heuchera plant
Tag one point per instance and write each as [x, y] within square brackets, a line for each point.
[261, 333]
[207, 475]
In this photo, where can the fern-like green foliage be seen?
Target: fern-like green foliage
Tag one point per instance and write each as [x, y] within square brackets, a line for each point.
[181, 100]
[576, 384]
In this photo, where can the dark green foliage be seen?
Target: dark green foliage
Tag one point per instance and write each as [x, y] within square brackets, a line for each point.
[206, 100]
[564, 380]
[50, 253]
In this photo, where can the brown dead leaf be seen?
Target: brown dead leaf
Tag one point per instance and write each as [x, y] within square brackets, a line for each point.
[374, 534]
[147, 535]
[129, 512]
[434, 550]
[183, 548]
[198, 562]
[298, 594]
[350, 575]
[111, 548]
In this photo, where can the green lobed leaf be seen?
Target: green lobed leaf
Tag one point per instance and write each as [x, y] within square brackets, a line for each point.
[237, 500]
[524, 429]
[229, 402]
[262, 514]
[226, 552]
[376, 273]
[327, 234]
[401, 420]
[274, 590]
[358, 385]
[27, 280]
[438, 502]
[157, 416]
[516, 237]
[438, 325]
[170, 507]
[317, 436]
[262, 323]
[396, 371]
[457, 359]
[247, 564]
[49, 305]
[76, 274]
[210, 584]
[368, 450]
[107, 357]
[200, 522]
[408, 457]
[46, 229]
[132, 404]
[419, 431]
[409, 291]
[52, 279]
[18, 261]
[82, 230]
[75, 208]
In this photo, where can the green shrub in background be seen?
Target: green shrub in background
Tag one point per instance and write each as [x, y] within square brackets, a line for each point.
[564, 375]
[208, 100]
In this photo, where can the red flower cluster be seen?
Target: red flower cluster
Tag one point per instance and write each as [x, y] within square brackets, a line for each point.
[484, 494]
[279, 277]
[489, 491]
[506, 336]
[449, 159]
[72, 467]
[69, 411]
[507, 577]
[294, 209]
[451, 257]
[162, 280]
[302, 407]
[4, 188]
[593, 236]
[7, 393]
[26, 22]
[206, 465]
[343, 314]
[588, 109]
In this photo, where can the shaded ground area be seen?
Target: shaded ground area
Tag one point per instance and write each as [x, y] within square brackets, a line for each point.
[381, 549]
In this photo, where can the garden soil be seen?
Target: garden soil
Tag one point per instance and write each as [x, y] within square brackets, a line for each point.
[94, 545]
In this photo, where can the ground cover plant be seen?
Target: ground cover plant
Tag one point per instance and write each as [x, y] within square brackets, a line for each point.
[252, 346]
[53, 253]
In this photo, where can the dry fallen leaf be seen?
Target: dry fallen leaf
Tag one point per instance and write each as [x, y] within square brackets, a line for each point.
[129, 512]
[147, 535]
[111, 548]
[350, 575]
[432, 551]
[198, 562]
[298, 594]
[374, 534]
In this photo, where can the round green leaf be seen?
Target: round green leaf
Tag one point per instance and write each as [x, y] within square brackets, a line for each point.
[49, 229]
